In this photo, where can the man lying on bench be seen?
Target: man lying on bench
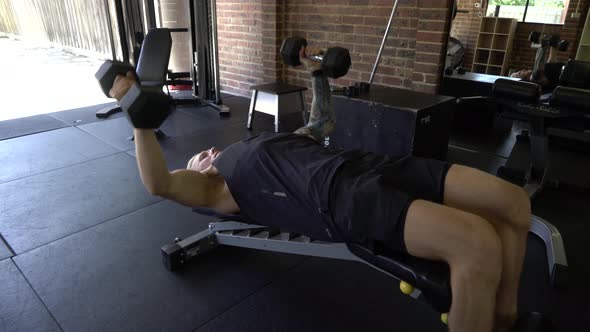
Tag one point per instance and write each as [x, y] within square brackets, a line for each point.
[473, 221]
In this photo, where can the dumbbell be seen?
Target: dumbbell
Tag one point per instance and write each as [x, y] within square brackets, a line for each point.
[553, 41]
[145, 107]
[545, 41]
[563, 45]
[335, 60]
[535, 37]
[107, 73]
[558, 43]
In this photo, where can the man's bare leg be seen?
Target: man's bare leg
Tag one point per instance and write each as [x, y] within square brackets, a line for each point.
[471, 247]
[507, 207]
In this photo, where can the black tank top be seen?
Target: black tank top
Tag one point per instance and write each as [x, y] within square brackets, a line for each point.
[283, 180]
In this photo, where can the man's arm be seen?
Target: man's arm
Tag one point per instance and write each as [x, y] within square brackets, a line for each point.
[322, 117]
[186, 187]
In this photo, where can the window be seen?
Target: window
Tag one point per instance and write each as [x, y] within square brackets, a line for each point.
[532, 11]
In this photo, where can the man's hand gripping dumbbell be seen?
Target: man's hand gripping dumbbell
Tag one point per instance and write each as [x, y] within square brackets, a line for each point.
[145, 107]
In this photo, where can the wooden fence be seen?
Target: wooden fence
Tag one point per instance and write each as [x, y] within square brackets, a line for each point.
[79, 24]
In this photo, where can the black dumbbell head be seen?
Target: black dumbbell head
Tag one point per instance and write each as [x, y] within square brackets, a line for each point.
[336, 62]
[290, 50]
[534, 37]
[145, 107]
[107, 73]
[563, 45]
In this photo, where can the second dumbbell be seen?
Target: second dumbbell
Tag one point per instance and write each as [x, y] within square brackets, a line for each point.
[552, 40]
[335, 61]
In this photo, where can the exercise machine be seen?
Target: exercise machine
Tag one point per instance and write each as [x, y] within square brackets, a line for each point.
[576, 74]
[204, 73]
[566, 109]
[130, 35]
[421, 278]
[151, 72]
[203, 76]
[522, 101]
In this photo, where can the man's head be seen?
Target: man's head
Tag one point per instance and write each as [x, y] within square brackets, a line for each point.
[203, 160]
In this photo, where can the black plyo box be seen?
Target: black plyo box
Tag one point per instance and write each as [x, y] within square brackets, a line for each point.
[394, 122]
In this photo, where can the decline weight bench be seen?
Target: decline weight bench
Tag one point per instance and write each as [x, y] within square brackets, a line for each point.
[419, 278]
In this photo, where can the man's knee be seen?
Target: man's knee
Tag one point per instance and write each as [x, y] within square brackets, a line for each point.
[522, 212]
[480, 255]
[517, 209]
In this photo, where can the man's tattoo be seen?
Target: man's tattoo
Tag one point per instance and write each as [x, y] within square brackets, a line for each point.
[322, 117]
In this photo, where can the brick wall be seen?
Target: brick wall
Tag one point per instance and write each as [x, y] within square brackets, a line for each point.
[250, 33]
[239, 26]
[523, 55]
[466, 28]
[273, 23]
[431, 42]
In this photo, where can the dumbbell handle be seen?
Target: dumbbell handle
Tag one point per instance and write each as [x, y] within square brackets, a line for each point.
[319, 57]
[108, 71]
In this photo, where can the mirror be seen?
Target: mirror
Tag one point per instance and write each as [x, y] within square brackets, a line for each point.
[504, 37]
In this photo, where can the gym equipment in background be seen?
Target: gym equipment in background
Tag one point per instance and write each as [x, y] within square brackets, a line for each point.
[203, 75]
[393, 121]
[145, 105]
[130, 35]
[576, 74]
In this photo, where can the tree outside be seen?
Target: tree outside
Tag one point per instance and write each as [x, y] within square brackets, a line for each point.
[545, 3]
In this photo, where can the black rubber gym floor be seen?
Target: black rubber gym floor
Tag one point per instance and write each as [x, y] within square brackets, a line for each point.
[80, 241]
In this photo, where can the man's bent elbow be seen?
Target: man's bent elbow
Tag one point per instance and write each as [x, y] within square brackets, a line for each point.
[329, 127]
[157, 188]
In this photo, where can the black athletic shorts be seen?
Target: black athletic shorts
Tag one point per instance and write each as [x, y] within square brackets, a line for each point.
[371, 203]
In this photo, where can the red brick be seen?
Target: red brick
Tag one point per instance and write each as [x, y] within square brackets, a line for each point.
[251, 32]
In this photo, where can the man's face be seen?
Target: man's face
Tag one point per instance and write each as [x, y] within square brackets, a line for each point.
[203, 160]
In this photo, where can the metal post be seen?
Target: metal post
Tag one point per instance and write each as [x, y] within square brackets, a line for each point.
[149, 14]
[135, 27]
[526, 10]
[122, 30]
[383, 42]
[110, 30]
[192, 12]
[214, 51]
